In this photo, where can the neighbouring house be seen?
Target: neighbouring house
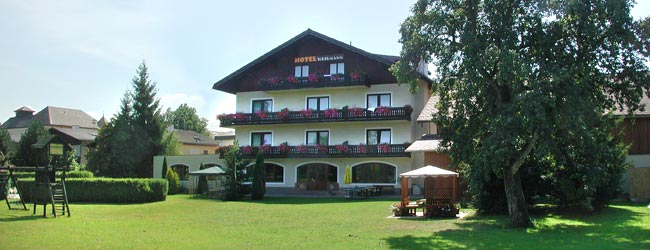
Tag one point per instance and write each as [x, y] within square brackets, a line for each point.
[224, 138]
[315, 105]
[194, 143]
[636, 129]
[75, 126]
[196, 149]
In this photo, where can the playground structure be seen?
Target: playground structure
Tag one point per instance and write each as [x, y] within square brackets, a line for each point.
[47, 189]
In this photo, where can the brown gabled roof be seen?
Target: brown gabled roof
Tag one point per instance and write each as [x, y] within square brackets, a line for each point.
[224, 84]
[17, 122]
[76, 136]
[221, 85]
[194, 138]
[25, 109]
[644, 103]
[51, 116]
[426, 143]
[55, 116]
[430, 108]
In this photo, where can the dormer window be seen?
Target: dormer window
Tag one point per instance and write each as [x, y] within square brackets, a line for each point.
[337, 68]
[302, 71]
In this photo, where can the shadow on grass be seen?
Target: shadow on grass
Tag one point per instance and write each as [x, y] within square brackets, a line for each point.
[613, 228]
[27, 217]
[297, 200]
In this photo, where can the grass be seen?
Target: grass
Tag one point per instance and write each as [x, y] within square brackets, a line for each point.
[302, 223]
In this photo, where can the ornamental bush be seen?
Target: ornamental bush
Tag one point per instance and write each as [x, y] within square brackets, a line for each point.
[127, 190]
[174, 181]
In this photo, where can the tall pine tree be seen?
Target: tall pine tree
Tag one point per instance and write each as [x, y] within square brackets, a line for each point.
[126, 146]
[146, 122]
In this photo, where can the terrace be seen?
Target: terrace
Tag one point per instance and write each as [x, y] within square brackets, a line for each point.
[322, 151]
[311, 116]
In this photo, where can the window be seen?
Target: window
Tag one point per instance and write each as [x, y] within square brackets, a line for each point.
[272, 173]
[261, 138]
[373, 173]
[302, 71]
[337, 68]
[378, 100]
[318, 103]
[378, 136]
[205, 152]
[318, 137]
[265, 105]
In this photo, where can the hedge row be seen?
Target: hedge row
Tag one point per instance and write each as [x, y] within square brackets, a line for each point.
[71, 174]
[106, 190]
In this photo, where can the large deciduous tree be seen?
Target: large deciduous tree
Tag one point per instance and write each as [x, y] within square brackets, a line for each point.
[529, 81]
[186, 118]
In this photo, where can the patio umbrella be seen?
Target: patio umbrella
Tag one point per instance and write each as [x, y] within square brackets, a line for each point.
[348, 175]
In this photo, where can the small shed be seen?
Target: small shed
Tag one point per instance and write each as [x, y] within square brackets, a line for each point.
[436, 197]
[215, 181]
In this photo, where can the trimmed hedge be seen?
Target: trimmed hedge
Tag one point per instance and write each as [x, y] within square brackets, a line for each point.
[68, 175]
[107, 190]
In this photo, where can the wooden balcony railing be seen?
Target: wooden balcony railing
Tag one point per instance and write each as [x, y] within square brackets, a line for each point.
[276, 83]
[311, 116]
[321, 151]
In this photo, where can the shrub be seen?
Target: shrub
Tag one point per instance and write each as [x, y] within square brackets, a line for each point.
[79, 174]
[127, 190]
[68, 175]
[174, 181]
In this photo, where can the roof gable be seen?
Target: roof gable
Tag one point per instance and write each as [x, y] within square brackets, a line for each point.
[231, 82]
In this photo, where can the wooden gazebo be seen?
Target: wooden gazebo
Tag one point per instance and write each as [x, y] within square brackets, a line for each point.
[439, 199]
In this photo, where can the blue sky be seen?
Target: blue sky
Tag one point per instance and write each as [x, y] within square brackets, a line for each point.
[83, 54]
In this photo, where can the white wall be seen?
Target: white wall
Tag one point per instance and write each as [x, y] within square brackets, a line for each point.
[295, 100]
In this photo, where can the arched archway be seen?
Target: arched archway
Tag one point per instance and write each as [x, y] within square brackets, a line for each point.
[182, 170]
[316, 176]
[374, 172]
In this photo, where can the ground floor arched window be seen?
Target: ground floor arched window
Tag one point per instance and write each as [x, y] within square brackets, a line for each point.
[272, 172]
[182, 171]
[374, 172]
[316, 176]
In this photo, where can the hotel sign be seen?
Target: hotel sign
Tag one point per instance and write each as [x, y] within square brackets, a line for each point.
[325, 58]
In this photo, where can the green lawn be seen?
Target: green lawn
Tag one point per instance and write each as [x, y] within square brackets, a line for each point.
[295, 223]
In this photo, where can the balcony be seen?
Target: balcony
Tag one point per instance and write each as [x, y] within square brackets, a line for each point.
[311, 116]
[322, 151]
[313, 81]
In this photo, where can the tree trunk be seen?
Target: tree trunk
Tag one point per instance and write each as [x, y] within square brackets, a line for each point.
[517, 207]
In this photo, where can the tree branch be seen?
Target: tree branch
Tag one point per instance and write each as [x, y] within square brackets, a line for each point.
[520, 161]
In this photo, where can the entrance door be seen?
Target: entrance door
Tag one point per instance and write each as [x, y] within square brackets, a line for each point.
[316, 176]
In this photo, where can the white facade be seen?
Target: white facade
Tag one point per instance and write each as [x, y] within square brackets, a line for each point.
[354, 133]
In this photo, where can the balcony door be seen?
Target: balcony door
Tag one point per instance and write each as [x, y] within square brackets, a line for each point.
[316, 176]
